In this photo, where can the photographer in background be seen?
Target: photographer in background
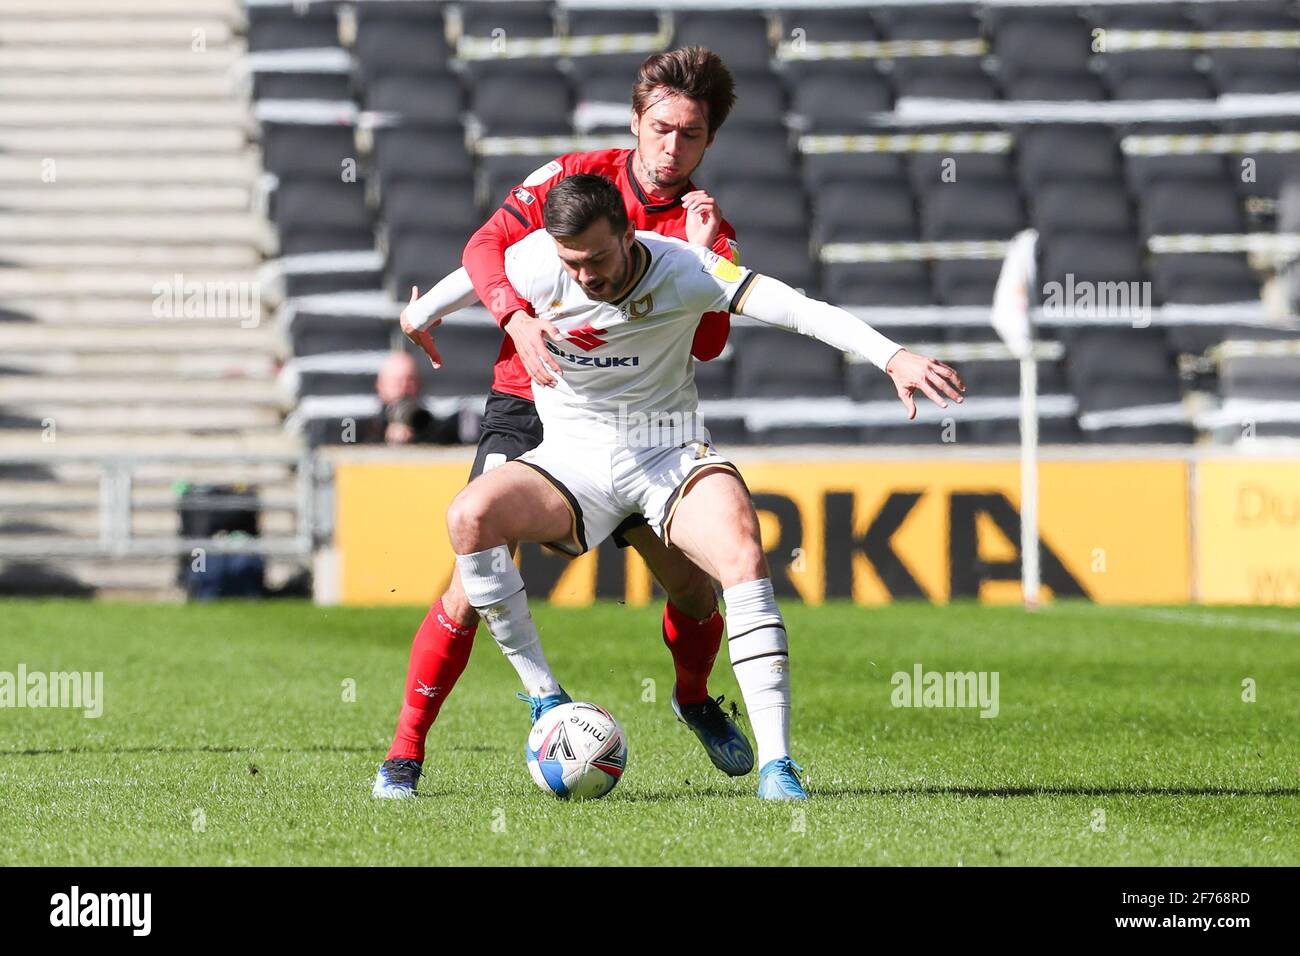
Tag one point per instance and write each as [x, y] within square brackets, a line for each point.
[403, 420]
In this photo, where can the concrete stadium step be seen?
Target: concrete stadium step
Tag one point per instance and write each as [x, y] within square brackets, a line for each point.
[134, 578]
[177, 31]
[58, 197]
[185, 365]
[87, 58]
[273, 478]
[243, 228]
[29, 443]
[240, 289]
[125, 86]
[158, 168]
[22, 389]
[82, 496]
[197, 113]
[167, 258]
[228, 10]
[159, 523]
[101, 141]
[188, 336]
[75, 419]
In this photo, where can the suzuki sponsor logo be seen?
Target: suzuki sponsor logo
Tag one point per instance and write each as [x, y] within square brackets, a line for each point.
[595, 361]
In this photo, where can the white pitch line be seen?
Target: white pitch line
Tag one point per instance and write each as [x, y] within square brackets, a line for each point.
[1199, 618]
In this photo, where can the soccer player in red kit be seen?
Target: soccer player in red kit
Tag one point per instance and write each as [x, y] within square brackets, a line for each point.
[680, 100]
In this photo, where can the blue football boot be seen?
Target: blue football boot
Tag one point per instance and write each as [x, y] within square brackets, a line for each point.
[725, 743]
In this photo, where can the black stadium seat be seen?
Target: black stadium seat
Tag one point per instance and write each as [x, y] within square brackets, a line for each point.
[837, 99]
[410, 205]
[1163, 86]
[582, 23]
[421, 153]
[760, 100]
[968, 83]
[429, 99]
[739, 37]
[965, 281]
[929, 171]
[749, 151]
[1053, 86]
[847, 212]
[422, 258]
[782, 254]
[515, 19]
[1190, 206]
[302, 86]
[293, 27]
[303, 149]
[1037, 43]
[1081, 206]
[525, 103]
[905, 282]
[1121, 66]
[392, 47]
[470, 350]
[1142, 171]
[1065, 153]
[774, 363]
[864, 168]
[971, 210]
[324, 202]
[761, 203]
[828, 26]
[1204, 278]
[1090, 257]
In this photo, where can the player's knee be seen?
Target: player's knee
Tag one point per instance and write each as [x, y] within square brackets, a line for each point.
[746, 562]
[467, 522]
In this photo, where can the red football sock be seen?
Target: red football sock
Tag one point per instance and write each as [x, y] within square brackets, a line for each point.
[439, 654]
[694, 645]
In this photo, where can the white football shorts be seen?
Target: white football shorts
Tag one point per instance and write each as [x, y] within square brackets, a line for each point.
[603, 484]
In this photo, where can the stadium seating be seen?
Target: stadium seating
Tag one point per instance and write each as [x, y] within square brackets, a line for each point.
[455, 103]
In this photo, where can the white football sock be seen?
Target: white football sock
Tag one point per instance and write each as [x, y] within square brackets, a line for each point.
[760, 657]
[495, 589]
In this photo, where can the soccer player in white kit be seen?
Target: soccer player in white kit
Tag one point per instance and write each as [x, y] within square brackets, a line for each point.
[616, 311]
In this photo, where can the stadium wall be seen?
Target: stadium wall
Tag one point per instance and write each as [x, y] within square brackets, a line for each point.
[1119, 526]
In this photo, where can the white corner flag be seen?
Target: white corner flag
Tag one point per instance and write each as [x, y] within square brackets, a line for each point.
[1011, 320]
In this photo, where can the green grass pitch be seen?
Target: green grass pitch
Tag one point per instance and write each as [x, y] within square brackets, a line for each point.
[227, 738]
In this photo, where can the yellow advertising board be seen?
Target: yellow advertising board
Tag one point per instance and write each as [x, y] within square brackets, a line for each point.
[870, 530]
[1247, 531]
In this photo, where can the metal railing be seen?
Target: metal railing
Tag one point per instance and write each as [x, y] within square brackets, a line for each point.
[116, 505]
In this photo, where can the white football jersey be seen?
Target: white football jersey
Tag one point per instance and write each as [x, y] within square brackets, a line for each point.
[628, 364]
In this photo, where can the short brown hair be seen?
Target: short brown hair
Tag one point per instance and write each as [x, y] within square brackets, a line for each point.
[691, 71]
[579, 201]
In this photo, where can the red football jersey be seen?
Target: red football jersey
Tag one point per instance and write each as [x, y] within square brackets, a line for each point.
[521, 214]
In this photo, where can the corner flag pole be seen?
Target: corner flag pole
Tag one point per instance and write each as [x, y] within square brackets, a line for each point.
[1029, 568]
[1011, 319]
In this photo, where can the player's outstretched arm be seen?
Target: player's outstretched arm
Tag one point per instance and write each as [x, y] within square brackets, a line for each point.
[775, 303]
[452, 293]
